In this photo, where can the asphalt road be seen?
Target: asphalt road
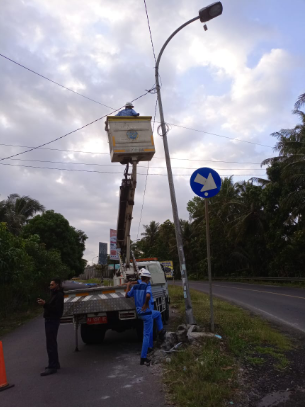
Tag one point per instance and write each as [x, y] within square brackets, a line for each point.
[276, 303]
[107, 375]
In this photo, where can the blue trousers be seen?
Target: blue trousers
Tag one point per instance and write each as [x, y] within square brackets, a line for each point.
[147, 328]
[156, 315]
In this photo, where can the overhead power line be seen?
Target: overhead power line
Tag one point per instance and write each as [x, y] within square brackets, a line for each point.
[119, 165]
[71, 132]
[54, 82]
[109, 172]
[220, 136]
[98, 102]
[107, 153]
[145, 187]
[145, 4]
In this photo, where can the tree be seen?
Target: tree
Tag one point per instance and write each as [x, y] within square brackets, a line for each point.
[16, 210]
[26, 268]
[291, 147]
[56, 233]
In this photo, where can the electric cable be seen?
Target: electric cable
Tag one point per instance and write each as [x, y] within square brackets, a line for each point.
[146, 180]
[145, 4]
[110, 172]
[220, 136]
[54, 82]
[119, 165]
[152, 90]
[71, 132]
[107, 153]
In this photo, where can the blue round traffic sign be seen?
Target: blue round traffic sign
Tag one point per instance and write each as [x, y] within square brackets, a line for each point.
[205, 182]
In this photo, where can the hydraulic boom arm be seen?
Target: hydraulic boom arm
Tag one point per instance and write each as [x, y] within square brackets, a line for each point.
[126, 204]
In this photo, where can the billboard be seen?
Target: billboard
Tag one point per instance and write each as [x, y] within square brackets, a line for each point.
[102, 253]
[113, 245]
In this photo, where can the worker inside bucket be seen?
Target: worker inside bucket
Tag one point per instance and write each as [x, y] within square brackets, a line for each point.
[128, 111]
[142, 294]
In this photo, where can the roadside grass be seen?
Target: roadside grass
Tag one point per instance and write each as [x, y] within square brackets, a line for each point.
[207, 374]
[16, 319]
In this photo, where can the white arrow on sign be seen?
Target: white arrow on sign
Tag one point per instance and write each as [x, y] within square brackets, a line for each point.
[208, 183]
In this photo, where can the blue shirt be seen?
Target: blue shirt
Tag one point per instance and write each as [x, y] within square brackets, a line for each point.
[127, 112]
[149, 290]
[139, 293]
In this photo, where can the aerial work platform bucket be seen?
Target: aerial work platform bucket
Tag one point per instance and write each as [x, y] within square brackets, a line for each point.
[130, 137]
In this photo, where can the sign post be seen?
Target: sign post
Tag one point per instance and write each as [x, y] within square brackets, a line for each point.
[206, 183]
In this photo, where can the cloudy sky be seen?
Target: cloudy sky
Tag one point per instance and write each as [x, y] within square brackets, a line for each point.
[239, 80]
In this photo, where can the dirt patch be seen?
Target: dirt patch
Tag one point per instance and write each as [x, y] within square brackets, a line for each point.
[265, 385]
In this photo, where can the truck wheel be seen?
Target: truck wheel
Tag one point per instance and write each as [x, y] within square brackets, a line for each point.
[92, 334]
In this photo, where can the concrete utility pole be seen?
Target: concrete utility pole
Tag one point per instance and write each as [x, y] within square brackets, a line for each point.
[205, 14]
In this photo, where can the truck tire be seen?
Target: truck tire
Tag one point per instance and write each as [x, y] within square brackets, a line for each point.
[92, 334]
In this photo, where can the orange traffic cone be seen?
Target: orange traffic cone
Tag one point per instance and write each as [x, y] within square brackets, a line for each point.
[3, 382]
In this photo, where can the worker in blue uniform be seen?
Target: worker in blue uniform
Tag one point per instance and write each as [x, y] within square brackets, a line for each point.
[142, 296]
[128, 111]
[156, 315]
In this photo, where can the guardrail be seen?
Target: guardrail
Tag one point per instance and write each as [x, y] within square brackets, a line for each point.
[293, 279]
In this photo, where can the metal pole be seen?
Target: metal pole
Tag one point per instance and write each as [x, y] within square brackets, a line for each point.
[178, 234]
[212, 324]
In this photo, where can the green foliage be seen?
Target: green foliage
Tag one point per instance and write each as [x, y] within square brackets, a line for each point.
[55, 233]
[16, 211]
[256, 226]
[26, 268]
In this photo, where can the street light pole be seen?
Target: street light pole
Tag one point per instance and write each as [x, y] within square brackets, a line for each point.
[204, 15]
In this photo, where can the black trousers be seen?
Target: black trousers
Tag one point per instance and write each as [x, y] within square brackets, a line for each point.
[51, 328]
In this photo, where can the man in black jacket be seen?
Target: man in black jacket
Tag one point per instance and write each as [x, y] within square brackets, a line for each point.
[53, 311]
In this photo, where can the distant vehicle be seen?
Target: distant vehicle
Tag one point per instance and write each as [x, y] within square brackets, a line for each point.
[168, 268]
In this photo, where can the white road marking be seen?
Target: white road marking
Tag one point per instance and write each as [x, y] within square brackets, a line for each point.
[260, 291]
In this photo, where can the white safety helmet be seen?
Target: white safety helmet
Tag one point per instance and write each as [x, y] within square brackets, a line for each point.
[129, 104]
[145, 272]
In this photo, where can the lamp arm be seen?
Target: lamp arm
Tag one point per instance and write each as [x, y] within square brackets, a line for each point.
[166, 43]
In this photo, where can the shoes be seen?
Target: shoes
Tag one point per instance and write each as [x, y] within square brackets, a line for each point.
[48, 371]
[162, 335]
[58, 366]
[145, 361]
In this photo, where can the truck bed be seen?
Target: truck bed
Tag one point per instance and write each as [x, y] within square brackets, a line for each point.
[102, 299]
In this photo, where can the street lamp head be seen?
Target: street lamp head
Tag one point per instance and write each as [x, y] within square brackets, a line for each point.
[210, 12]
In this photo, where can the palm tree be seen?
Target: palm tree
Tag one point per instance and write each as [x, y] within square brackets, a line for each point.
[291, 147]
[151, 233]
[16, 210]
[250, 218]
